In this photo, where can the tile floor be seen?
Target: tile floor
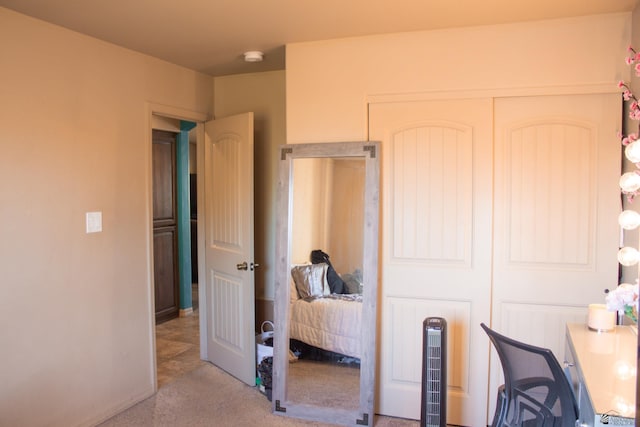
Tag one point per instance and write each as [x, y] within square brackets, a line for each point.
[178, 345]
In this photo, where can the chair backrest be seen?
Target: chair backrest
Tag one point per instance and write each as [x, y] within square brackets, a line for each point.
[536, 390]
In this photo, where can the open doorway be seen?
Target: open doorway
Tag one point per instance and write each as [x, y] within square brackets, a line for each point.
[177, 331]
[225, 163]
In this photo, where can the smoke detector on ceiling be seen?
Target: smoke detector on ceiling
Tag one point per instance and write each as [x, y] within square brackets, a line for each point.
[253, 56]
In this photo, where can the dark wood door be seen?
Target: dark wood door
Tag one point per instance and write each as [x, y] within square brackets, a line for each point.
[165, 226]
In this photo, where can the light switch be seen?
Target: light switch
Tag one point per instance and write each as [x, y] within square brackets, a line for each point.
[94, 222]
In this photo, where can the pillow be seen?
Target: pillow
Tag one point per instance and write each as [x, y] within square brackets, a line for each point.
[311, 280]
[353, 282]
[293, 292]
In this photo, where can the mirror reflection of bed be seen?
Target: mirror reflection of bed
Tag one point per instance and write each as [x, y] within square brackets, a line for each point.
[326, 294]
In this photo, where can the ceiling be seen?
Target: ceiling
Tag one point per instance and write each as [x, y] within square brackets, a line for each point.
[210, 36]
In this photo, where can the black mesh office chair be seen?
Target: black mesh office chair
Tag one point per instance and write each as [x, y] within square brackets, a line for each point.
[536, 391]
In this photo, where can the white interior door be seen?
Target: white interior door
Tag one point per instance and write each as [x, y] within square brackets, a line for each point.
[228, 229]
[436, 239]
[556, 205]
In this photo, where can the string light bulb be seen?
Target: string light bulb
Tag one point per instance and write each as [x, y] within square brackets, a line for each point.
[632, 152]
[628, 256]
[630, 182]
[629, 219]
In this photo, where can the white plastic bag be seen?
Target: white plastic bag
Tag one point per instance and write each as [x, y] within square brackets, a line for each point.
[263, 350]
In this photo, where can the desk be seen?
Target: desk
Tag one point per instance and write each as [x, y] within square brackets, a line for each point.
[602, 369]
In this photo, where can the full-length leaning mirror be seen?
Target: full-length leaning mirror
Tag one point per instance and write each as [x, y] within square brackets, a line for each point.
[326, 282]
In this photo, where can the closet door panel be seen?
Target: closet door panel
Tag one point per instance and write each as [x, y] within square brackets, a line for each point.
[557, 199]
[436, 243]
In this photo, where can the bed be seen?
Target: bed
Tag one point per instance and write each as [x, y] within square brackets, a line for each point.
[321, 319]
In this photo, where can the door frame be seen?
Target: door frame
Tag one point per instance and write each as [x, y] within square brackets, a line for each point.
[198, 118]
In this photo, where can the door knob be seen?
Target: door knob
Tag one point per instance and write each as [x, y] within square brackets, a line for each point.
[254, 266]
[242, 266]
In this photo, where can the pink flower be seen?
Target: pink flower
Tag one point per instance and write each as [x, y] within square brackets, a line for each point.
[628, 60]
[625, 294]
[621, 84]
[629, 139]
[626, 140]
[627, 95]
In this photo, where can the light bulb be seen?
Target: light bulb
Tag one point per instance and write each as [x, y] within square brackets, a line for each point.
[632, 152]
[628, 256]
[630, 182]
[629, 220]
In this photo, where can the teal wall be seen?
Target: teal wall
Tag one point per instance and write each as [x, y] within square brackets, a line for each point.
[184, 215]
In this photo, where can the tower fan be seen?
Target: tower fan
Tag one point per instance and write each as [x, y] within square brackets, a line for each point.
[434, 373]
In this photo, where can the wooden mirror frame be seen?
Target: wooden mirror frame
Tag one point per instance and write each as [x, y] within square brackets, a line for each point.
[370, 151]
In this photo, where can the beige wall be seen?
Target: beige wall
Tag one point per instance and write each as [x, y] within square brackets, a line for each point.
[75, 319]
[327, 211]
[262, 93]
[535, 57]
[331, 83]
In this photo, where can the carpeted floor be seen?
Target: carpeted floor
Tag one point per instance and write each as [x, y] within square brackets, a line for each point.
[325, 384]
[209, 396]
[195, 393]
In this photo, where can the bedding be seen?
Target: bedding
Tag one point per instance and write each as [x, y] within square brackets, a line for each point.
[327, 321]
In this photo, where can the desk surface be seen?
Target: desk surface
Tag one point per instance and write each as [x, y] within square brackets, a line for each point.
[607, 363]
